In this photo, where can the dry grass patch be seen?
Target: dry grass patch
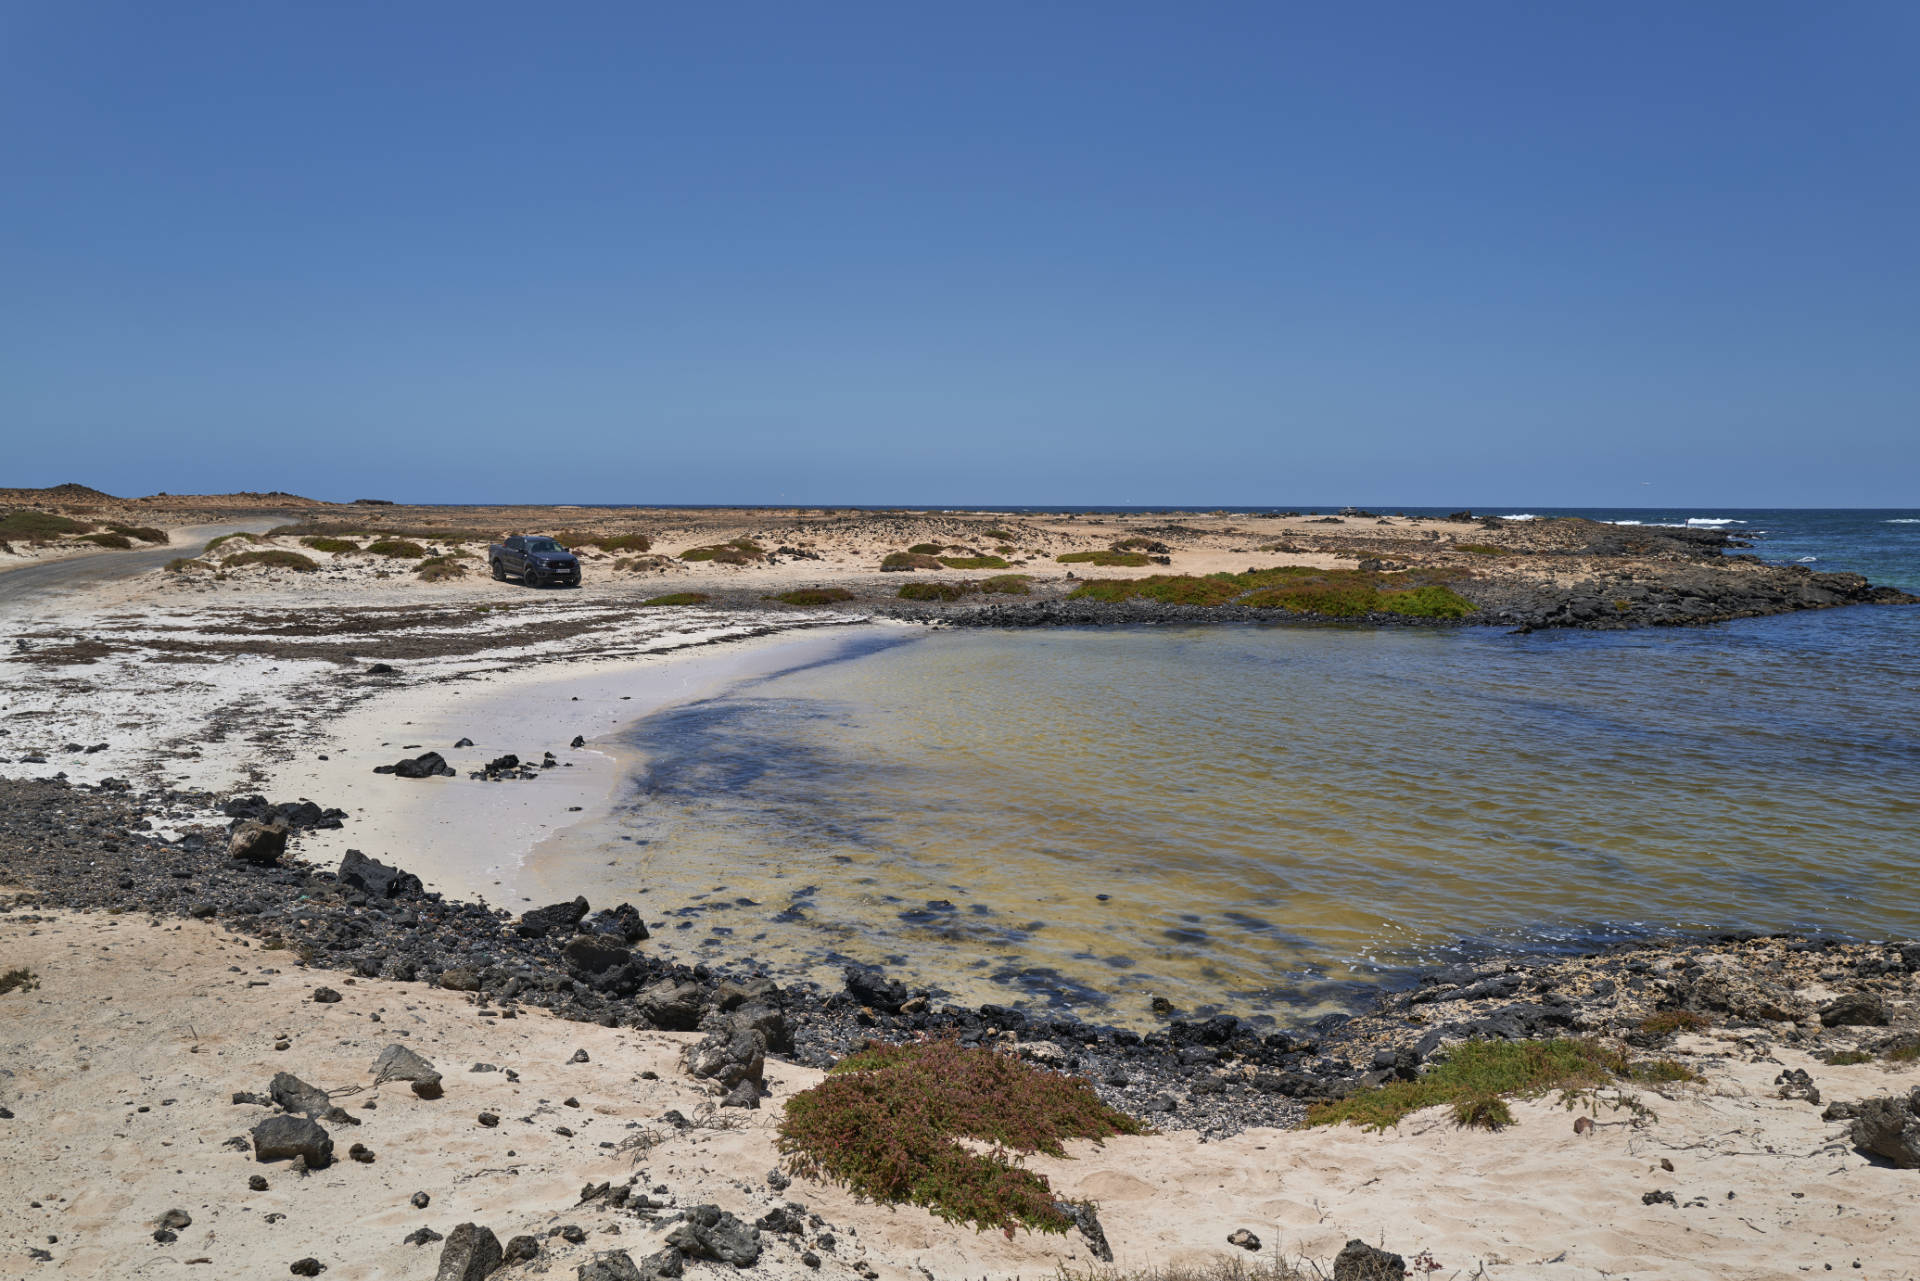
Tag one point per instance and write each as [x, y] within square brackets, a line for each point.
[18, 980]
[934, 591]
[887, 1123]
[679, 598]
[813, 596]
[439, 569]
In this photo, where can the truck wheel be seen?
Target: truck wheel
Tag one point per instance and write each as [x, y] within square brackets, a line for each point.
[533, 578]
[499, 572]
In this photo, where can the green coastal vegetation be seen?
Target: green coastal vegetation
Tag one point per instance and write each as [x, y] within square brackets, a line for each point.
[397, 549]
[435, 569]
[813, 596]
[888, 1123]
[607, 542]
[272, 558]
[1299, 589]
[895, 561]
[321, 543]
[999, 584]
[739, 551]
[974, 562]
[1113, 560]
[32, 524]
[1478, 1077]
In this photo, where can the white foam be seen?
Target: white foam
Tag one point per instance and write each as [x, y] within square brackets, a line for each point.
[1806, 560]
[1521, 516]
[1713, 520]
[1902, 520]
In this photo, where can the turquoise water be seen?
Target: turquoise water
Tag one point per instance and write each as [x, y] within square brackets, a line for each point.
[1266, 819]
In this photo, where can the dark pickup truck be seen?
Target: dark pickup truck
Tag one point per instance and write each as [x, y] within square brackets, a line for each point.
[535, 560]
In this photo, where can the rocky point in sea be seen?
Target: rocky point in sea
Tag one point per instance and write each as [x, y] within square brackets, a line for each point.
[98, 848]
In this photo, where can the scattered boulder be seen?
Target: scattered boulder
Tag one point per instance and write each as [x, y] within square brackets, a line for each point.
[308, 1267]
[174, 1219]
[281, 1138]
[1244, 1239]
[425, 765]
[471, 1254]
[1890, 1128]
[593, 954]
[520, 1249]
[1794, 1083]
[1358, 1261]
[872, 988]
[579, 740]
[371, 876]
[290, 1094]
[543, 920]
[1855, 1009]
[421, 1236]
[1087, 1219]
[671, 1005]
[260, 844]
[729, 1055]
[621, 922]
[398, 1063]
[708, 1232]
[326, 996]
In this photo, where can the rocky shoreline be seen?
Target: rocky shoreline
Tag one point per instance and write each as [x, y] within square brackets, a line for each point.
[66, 846]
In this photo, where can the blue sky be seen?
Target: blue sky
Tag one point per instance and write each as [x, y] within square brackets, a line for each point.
[1199, 253]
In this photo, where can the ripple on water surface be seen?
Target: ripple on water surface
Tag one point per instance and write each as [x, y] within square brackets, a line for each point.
[1262, 819]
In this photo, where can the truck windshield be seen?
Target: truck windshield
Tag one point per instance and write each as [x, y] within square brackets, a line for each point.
[543, 545]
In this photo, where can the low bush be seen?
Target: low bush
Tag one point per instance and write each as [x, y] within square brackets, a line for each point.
[180, 564]
[143, 533]
[933, 591]
[813, 596]
[1477, 1078]
[32, 524]
[1142, 545]
[887, 1123]
[1107, 559]
[739, 551]
[679, 598]
[974, 562]
[437, 569]
[224, 539]
[1008, 585]
[926, 549]
[272, 558]
[321, 543]
[998, 535]
[895, 562]
[1483, 549]
[1845, 1058]
[18, 981]
[119, 542]
[1170, 589]
[397, 549]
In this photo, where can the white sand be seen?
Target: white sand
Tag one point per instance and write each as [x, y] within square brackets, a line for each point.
[133, 1014]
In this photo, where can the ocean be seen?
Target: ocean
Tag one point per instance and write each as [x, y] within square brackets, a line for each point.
[1272, 820]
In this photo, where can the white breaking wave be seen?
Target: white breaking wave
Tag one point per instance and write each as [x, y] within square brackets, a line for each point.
[1903, 520]
[1714, 520]
[1521, 516]
[1806, 560]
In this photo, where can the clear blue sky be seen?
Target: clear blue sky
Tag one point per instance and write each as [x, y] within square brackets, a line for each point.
[1547, 254]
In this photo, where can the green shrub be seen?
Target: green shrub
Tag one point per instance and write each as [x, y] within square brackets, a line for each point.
[1474, 1080]
[119, 542]
[1008, 585]
[18, 981]
[896, 561]
[180, 564]
[926, 549]
[933, 591]
[679, 598]
[397, 548]
[813, 596]
[321, 543]
[1425, 602]
[974, 562]
[1903, 1052]
[143, 533]
[224, 539]
[739, 551]
[886, 1123]
[1110, 559]
[998, 535]
[1170, 589]
[33, 524]
[437, 569]
[273, 558]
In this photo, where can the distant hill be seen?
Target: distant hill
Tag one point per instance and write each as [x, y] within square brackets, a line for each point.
[86, 496]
